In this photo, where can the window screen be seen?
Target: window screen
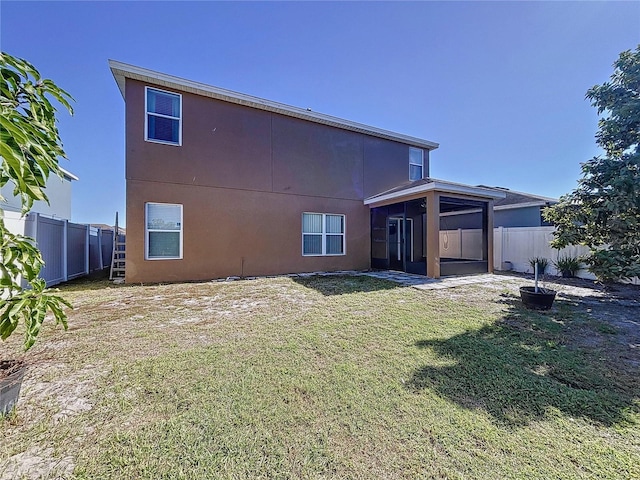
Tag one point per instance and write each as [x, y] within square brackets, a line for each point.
[416, 163]
[323, 234]
[163, 231]
[164, 116]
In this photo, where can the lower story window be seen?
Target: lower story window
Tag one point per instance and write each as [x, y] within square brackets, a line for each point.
[163, 231]
[323, 234]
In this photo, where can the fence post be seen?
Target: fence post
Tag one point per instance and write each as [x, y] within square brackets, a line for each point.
[87, 239]
[100, 263]
[30, 229]
[500, 247]
[65, 251]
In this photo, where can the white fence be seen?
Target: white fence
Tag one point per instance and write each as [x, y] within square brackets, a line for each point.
[461, 243]
[517, 245]
[514, 245]
[69, 250]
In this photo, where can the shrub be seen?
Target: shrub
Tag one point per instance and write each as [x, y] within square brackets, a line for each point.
[543, 263]
[568, 265]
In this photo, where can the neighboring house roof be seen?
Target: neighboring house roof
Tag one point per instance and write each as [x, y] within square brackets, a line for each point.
[121, 71]
[68, 175]
[104, 226]
[515, 199]
[429, 184]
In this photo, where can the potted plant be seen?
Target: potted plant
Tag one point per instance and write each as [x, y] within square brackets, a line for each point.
[537, 298]
[30, 150]
[567, 265]
[11, 374]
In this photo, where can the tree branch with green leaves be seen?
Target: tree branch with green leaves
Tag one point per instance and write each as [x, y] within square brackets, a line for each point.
[30, 148]
[603, 212]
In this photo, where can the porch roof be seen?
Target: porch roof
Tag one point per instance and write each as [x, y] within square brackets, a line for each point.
[413, 189]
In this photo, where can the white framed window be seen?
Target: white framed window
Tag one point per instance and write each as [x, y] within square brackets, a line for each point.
[163, 231]
[163, 118]
[323, 234]
[416, 163]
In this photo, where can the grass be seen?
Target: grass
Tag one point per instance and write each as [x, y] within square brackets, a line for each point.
[324, 377]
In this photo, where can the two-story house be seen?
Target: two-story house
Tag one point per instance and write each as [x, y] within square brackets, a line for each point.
[220, 183]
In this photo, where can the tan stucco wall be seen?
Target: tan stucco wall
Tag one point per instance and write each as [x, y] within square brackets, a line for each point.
[230, 232]
[244, 178]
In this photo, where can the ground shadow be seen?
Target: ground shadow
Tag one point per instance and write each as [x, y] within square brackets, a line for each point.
[344, 284]
[97, 280]
[528, 366]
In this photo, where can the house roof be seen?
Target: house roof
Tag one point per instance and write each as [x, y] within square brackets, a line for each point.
[433, 184]
[68, 175]
[104, 226]
[121, 71]
[515, 199]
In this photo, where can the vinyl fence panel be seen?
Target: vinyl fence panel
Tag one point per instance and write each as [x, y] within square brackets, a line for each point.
[95, 249]
[69, 250]
[50, 235]
[518, 244]
[77, 250]
[106, 245]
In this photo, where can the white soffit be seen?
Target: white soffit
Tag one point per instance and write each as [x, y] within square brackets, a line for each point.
[121, 71]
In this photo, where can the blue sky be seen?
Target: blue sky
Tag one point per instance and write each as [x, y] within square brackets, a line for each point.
[499, 85]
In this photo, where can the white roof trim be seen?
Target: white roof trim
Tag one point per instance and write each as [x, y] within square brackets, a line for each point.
[440, 186]
[498, 207]
[540, 197]
[522, 205]
[68, 174]
[122, 70]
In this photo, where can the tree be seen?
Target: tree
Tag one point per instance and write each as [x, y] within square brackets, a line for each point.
[30, 146]
[603, 212]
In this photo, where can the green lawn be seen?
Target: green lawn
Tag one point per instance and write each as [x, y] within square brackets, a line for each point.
[325, 377]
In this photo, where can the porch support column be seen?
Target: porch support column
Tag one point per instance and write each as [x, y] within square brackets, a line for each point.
[489, 227]
[433, 234]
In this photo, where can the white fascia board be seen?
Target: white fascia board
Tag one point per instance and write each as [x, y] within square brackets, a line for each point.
[444, 187]
[498, 207]
[68, 175]
[539, 197]
[522, 205]
[121, 71]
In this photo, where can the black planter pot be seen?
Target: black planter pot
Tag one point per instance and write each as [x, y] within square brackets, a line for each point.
[10, 384]
[540, 300]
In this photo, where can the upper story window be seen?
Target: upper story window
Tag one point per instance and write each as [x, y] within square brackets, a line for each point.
[416, 163]
[322, 234]
[163, 121]
[163, 231]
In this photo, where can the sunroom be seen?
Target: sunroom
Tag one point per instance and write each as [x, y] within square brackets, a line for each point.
[409, 228]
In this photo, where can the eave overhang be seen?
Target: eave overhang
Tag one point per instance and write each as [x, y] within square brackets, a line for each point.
[68, 175]
[432, 185]
[122, 71]
[524, 205]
